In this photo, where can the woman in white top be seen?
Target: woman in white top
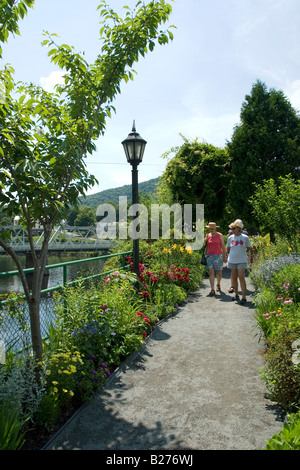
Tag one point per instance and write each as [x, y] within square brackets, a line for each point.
[238, 245]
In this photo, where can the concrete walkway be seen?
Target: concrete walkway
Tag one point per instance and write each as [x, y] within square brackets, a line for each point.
[194, 386]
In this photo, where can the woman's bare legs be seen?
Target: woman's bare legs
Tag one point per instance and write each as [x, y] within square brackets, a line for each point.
[241, 275]
[211, 273]
[234, 280]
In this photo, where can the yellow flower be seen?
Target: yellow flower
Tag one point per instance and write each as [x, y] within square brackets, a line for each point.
[55, 389]
[64, 390]
[48, 372]
[71, 393]
[54, 382]
[181, 249]
[290, 249]
[165, 250]
[174, 246]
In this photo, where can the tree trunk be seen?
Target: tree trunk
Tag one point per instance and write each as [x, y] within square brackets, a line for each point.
[35, 325]
[35, 298]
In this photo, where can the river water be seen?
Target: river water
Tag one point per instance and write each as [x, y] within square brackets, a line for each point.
[10, 332]
[12, 283]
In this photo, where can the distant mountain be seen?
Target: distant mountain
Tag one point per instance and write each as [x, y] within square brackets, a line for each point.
[112, 195]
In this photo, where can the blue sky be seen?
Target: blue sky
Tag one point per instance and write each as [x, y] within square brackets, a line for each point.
[194, 86]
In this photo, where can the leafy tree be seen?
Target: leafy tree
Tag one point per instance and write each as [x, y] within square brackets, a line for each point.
[265, 145]
[44, 137]
[71, 215]
[276, 206]
[11, 12]
[198, 175]
[86, 217]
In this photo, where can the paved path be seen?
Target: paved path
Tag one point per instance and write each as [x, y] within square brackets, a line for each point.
[195, 386]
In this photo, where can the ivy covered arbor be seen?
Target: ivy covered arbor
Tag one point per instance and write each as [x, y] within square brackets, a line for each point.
[198, 174]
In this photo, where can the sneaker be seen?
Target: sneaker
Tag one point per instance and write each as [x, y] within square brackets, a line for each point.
[243, 302]
[236, 297]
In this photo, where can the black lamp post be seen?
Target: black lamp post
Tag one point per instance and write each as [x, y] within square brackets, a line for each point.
[134, 147]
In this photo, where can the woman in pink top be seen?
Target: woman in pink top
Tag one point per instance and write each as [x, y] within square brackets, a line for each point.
[215, 255]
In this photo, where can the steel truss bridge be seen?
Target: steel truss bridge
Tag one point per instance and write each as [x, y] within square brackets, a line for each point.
[63, 238]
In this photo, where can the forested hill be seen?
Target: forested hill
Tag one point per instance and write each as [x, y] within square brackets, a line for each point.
[112, 195]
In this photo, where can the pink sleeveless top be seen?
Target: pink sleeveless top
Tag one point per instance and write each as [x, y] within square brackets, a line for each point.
[214, 244]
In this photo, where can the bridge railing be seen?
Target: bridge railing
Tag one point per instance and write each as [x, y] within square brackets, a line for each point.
[12, 326]
[63, 238]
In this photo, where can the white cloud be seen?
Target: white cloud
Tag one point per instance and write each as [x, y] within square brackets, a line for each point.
[55, 78]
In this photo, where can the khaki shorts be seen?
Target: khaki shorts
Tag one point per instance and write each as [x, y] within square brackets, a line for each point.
[237, 265]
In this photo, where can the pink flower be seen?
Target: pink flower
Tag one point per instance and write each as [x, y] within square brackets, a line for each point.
[288, 301]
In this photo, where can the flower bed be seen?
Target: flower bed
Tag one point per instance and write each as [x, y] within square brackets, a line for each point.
[277, 300]
[96, 328]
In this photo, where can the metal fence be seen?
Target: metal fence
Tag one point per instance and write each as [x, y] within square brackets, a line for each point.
[14, 312]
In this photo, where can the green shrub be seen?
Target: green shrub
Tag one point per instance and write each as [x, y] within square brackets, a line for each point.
[272, 311]
[287, 283]
[281, 375]
[261, 274]
[289, 436]
[11, 427]
[167, 298]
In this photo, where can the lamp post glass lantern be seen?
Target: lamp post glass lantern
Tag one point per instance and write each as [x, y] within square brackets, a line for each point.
[134, 147]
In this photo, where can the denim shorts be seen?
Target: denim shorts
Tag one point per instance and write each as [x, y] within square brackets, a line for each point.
[237, 265]
[215, 262]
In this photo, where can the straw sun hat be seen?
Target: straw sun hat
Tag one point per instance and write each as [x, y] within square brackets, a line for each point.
[212, 225]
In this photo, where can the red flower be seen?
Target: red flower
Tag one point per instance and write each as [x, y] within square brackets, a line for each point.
[140, 314]
[154, 279]
[146, 319]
